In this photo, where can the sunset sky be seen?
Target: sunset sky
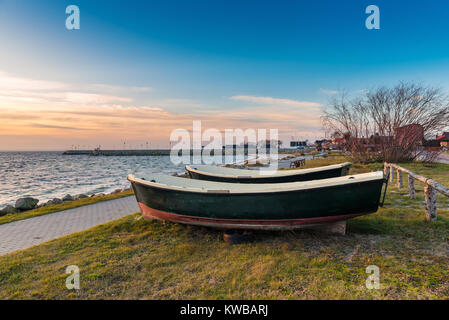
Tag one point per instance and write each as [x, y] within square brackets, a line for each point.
[136, 71]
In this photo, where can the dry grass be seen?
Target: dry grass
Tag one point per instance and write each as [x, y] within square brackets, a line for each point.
[136, 259]
[62, 206]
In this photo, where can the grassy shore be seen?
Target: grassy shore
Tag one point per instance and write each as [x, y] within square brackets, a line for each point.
[133, 258]
[62, 206]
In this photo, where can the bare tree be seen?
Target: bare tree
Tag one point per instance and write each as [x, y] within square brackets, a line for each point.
[388, 124]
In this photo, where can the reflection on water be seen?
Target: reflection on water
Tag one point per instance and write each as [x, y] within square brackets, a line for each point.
[46, 175]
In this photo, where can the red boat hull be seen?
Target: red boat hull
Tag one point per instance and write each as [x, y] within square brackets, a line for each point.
[281, 224]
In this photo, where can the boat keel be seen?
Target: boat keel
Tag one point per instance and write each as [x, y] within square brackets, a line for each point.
[330, 224]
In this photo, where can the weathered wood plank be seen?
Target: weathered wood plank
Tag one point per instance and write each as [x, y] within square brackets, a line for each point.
[399, 178]
[414, 175]
[438, 187]
[411, 187]
[338, 228]
[430, 189]
[431, 203]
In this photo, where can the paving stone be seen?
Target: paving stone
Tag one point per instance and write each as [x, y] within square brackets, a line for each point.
[26, 233]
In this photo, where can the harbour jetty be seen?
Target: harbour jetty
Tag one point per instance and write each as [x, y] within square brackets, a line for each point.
[149, 152]
[137, 152]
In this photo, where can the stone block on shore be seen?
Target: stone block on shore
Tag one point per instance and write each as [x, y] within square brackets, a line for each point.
[116, 191]
[80, 196]
[8, 209]
[27, 203]
[337, 228]
[54, 201]
[67, 197]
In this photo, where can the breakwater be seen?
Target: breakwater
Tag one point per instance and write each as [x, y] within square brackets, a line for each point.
[138, 152]
[49, 175]
[151, 152]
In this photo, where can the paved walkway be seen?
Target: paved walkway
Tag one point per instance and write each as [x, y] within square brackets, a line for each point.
[443, 158]
[29, 232]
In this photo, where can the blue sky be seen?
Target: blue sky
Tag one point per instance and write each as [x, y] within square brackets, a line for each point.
[194, 57]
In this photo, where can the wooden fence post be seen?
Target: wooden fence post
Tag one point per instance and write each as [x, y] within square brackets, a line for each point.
[411, 187]
[431, 203]
[399, 173]
[431, 187]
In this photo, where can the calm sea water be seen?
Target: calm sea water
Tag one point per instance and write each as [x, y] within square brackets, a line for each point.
[46, 175]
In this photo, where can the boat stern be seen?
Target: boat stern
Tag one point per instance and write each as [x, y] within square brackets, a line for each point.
[345, 168]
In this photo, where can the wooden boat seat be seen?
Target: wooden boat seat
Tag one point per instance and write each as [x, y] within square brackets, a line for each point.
[231, 172]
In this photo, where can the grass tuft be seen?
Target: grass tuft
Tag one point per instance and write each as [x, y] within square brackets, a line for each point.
[62, 206]
[132, 258]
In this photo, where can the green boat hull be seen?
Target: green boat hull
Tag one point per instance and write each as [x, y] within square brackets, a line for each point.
[318, 175]
[268, 210]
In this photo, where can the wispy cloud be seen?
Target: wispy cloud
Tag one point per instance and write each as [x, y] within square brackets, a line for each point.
[18, 90]
[275, 101]
[10, 82]
[329, 92]
[141, 89]
[92, 98]
[116, 88]
[52, 126]
[62, 114]
[59, 98]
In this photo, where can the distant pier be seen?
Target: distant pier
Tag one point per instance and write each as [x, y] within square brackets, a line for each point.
[138, 152]
[158, 152]
[229, 150]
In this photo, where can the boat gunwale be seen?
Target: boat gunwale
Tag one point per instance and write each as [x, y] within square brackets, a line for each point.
[320, 184]
[233, 223]
[279, 173]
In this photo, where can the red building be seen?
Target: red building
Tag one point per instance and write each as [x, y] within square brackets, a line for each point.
[443, 139]
[409, 134]
[338, 141]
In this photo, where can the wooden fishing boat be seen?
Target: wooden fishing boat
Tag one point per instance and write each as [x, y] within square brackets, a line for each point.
[274, 206]
[223, 174]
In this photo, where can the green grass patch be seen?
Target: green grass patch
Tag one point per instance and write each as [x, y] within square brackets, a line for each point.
[62, 206]
[136, 259]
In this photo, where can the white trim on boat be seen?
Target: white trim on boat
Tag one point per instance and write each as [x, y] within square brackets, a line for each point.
[192, 185]
[225, 172]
